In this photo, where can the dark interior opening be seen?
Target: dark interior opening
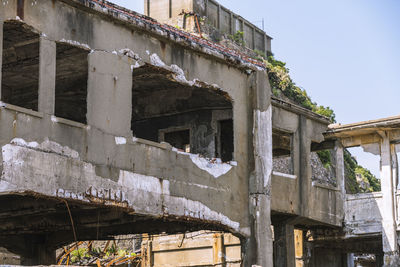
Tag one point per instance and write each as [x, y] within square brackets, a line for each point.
[226, 140]
[159, 102]
[71, 82]
[282, 152]
[20, 65]
[281, 143]
[178, 139]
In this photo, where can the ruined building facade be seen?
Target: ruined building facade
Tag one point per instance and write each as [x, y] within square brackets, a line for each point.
[112, 123]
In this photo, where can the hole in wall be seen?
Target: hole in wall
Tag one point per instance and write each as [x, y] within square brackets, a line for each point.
[71, 82]
[20, 65]
[160, 104]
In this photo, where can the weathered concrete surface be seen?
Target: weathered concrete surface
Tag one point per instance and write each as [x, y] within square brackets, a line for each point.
[389, 233]
[365, 220]
[260, 180]
[47, 76]
[378, 217]
[110, 85]
[98, 166]
[303, 197]
[101, 163]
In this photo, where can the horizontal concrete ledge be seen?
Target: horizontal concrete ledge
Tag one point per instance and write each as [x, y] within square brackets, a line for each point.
[68, 122]
[284, 175]
[299, 110]
[21, 110]
[351, 197]
[162, 145]
[325, 186]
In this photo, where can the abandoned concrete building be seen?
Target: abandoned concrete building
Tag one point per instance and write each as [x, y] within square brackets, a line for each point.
[112, 123]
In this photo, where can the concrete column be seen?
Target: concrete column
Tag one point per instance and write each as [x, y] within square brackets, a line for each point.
[328, 257]
[219, 17]
[34, 250]
[218, 250]
[1, 50]
[340, 178]
[395, 179]
[110, 93]
[389, 234]
[304, 181]
[379, 260]
[259, 248]
[395, 167]
[350, 260]
[284, 249]
[41, 255]
[147, 257]
[232, 26]
[47, 76]
[253, 38]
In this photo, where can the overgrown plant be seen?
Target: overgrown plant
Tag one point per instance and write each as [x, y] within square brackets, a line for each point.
[238, 38]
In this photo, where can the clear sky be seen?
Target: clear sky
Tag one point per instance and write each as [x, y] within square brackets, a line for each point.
[345, 53]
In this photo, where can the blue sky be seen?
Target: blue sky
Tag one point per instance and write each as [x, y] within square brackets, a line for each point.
[345, 53]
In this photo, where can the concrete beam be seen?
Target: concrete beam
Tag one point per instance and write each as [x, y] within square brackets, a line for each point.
[47, 76]
[361, 140]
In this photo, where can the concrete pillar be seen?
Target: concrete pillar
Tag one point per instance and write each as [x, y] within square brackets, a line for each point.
[304, 181]
[328, 257]
[265, 44]
[147, 7]
[147, 257]
[110, 93]
[253, 38]
[218, 250]
[1, 50]
[350, 260]
[340, 177]
[47, 76]
[339, 159]
[395, 179]
[389, 234]
[232, 26]
[219, 22]
[34, 250]
[41, 255]
[395, 167]
[259, 247]
[379, 260]
[284, 245]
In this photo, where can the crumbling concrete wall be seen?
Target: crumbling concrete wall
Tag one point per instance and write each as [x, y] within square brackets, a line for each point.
[302, 196]
[101, 162]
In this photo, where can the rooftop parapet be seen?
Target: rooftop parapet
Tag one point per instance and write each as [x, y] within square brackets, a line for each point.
[211, 17]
